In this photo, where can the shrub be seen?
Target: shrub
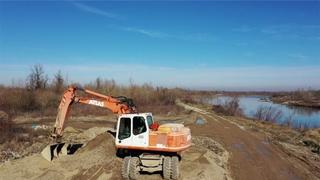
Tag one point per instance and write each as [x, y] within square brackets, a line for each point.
[14, 100]
[229, 107]
[40, 97]
[266, 113]
[5, 126]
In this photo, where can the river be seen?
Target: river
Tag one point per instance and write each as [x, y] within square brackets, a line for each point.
[297, 116]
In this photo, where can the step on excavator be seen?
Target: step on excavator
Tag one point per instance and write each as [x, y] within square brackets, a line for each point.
[145, 145]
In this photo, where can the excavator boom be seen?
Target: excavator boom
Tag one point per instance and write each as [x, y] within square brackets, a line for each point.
[118, 105]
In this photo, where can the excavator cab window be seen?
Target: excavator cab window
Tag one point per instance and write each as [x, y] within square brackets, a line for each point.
[149, 120]
[124, 128]
[139, 125]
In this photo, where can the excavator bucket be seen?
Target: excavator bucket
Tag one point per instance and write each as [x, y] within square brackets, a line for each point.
[52, 151]
[59, 149]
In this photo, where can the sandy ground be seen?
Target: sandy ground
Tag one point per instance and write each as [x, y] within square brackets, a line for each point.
[205, 159]
[222, 149]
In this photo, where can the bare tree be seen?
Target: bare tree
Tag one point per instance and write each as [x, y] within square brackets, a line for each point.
[268, 113]
[37, 79]
[58, 82]
[233, 106]
[98, 83]
[110, 85]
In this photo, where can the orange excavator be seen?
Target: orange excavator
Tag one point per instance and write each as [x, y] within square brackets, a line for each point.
[118, 105]
[144, 144]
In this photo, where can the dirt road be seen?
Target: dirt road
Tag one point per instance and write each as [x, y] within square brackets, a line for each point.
[252, 155]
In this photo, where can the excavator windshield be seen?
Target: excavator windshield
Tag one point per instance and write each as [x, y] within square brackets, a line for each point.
[124, 128]
[139, 125]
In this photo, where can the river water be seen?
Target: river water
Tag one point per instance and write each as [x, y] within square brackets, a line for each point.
[296, 115]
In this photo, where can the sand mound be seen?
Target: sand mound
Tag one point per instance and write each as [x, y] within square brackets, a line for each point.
[206, 159]
[72, 135]
[71, 130]
[95, 159]
[95, 131]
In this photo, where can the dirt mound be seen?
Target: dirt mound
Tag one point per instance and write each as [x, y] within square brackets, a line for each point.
[93, 132]
[104, 140]
[75, 135]
[71, 130]
[95, 159]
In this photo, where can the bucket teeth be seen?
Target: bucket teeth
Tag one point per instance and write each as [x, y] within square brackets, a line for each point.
[46, 153]
[59, 149]
[64, 150]
[52, 151]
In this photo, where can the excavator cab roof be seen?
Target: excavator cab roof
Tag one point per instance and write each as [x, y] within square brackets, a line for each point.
[135, 114]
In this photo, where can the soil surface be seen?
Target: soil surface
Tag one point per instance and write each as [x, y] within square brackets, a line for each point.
[222, 148]
[253, 156]
[205, 159]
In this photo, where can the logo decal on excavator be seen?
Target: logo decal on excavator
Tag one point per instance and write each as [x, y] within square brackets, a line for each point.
[96, 103]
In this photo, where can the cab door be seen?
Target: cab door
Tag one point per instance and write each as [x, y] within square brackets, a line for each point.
[124, 131]
[140, 132]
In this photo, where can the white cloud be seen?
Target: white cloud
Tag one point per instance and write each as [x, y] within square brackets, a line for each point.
[164, 35]
[153, 34]
[94, 10]
[149, 33]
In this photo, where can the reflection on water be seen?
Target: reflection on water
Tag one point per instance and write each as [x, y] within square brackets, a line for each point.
[303, 110]
[298, 116]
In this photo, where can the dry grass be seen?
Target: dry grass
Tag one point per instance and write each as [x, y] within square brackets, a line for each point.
[20, 142]
[268, 113]
[229, 108]
[44, 102]
[5, 126]
[41, 95]
[17, 141]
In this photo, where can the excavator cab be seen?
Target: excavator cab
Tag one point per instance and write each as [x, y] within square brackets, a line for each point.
[149, 149]
[133, 130]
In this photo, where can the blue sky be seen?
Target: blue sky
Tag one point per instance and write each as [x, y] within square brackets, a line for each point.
[204, 45]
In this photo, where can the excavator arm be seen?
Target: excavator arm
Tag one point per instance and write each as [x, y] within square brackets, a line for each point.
[118, 105]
